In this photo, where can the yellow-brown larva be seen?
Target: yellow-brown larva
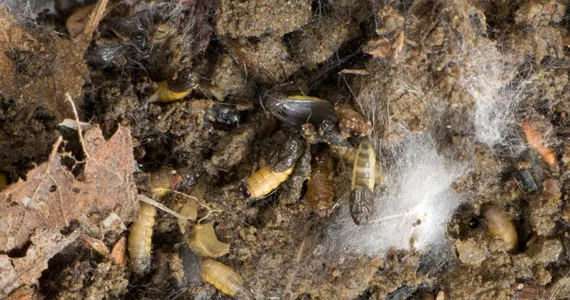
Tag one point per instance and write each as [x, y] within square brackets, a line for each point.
[165, 94]
[264, 181]
[320, 187]
[221, 277]
[363, 183]
[164, 180]
[500, 226]
[140, 238]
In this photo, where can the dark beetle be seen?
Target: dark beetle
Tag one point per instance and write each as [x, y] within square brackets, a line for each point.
[523, 177]
[226, 114]
[286, 155]
[298, 110]
[184, 81]
[104, 55]
[134, 29]
[525, 181]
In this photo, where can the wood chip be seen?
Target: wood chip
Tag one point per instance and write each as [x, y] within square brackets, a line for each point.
[118, 254]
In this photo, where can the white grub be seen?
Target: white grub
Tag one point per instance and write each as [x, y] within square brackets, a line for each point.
[413, 205]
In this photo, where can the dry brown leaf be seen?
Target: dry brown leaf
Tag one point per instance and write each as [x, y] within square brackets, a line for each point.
[118, 253]
[45, 243]
[51, 197]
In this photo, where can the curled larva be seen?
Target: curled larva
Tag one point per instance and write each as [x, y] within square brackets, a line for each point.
[202, 240]
[363, 182]
[140, 239]
[500, 226]
[221, 277]
[320, 187]
[264, 181]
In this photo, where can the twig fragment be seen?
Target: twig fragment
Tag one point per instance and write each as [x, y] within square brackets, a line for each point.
[81, 140]
[94, 20]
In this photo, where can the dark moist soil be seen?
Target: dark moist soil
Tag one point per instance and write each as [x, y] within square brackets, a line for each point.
[243, 51]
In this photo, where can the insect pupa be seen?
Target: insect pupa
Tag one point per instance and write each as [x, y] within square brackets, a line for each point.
[320, 187]
[363, 183]
[535, 140]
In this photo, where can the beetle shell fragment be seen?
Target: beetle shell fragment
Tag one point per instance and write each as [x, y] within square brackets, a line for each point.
[202, 240]
[190, 208]
[524, 179]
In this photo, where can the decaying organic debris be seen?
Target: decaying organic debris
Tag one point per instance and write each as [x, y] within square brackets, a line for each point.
[212, 111]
